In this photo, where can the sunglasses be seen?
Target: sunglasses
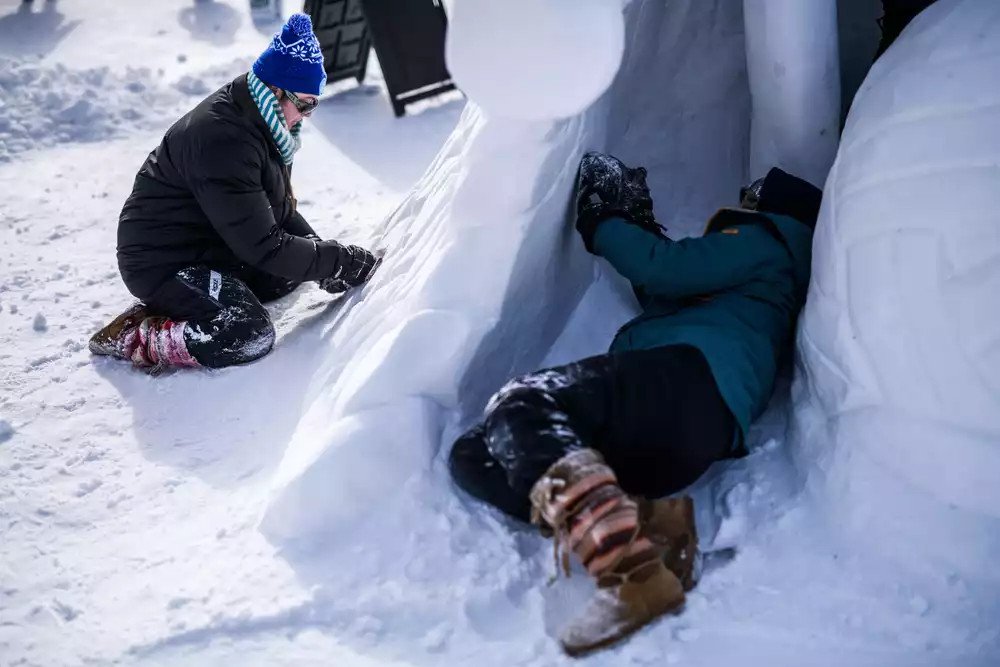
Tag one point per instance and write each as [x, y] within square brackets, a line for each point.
[304, 107]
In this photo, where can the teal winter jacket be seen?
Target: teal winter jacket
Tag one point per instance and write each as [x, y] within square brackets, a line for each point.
[733, 293]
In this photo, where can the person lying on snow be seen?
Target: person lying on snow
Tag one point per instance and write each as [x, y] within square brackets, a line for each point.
[211, 229]
[580, 448]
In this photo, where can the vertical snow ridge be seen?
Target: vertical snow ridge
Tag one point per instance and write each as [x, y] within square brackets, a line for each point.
[911, 211]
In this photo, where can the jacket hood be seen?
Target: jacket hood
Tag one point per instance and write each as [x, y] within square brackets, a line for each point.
[798, 238]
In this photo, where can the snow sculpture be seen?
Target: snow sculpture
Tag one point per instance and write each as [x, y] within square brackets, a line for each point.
[793, 64]
[484, 268]
[535, 60]
[898, 392]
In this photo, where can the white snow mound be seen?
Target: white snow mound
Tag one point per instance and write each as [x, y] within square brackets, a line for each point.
[793, 65]
[483, 267]
[45, 104]
[535, 60]
[899, 390]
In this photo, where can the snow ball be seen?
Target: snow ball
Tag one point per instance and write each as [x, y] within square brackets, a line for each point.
[39, 323]
[192, 85]
[78, 112]
[687, 634]
[368, 626]
[436, 639]
[919, 605]
[535, 60]
[6, 430]
[13, 309]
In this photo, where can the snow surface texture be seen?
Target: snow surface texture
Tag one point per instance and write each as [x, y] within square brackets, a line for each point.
[129, 506]
[483, 266]
[48, 104]
[484, 269]
[900, 340]
[483, 273]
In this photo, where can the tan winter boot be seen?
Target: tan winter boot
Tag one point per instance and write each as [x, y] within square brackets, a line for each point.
[669, 522]
[579, 500]
[110, 341]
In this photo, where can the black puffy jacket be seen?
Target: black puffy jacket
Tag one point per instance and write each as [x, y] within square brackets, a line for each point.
[216, 193]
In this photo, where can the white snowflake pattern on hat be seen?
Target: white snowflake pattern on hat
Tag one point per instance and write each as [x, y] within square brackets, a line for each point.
[304, 49]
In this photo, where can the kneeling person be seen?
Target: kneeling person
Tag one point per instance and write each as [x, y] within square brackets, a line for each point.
[211, 230]
[578, 449]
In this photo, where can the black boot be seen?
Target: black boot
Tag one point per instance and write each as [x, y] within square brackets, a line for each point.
[607, 188]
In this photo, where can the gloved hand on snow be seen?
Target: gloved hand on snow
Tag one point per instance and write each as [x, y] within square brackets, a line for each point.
[357, 267]
[606, 188]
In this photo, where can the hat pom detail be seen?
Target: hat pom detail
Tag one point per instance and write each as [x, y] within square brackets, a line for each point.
[294, 59]
[301, 25]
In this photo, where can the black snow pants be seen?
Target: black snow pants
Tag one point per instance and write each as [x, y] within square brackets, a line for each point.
[656, 416]
[227, 324]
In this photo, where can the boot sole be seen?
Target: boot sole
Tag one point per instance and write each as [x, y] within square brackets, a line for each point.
[100, 349]
[627, 632]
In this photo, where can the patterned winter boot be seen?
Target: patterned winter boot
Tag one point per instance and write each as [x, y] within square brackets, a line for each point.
[109, 341]
[607, 188]
[669, 523]
[150, 343]
[579, 501]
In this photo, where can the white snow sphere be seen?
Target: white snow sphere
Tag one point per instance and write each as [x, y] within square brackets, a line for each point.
[535, 60]
[898, 392]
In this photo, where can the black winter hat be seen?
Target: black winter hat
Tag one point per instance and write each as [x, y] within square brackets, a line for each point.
[780, 192]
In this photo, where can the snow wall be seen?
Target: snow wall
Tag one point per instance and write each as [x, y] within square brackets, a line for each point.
[484, 269]
[898, 383]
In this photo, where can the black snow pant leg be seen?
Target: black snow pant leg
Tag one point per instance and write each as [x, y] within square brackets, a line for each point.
[226, 323]
[266, 287]
[476, 471]
[656, 416]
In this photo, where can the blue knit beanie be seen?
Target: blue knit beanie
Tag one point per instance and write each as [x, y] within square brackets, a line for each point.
[293, 61]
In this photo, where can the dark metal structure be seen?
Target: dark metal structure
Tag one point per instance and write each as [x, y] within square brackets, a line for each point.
[409, 40]
[896, 15]
[408, 36]
[343, 35]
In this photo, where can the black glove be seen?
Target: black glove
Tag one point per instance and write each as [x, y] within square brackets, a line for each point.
[357, 266]
[333, 285]
[605, 188]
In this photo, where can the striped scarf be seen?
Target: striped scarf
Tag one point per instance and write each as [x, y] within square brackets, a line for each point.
[287, 140]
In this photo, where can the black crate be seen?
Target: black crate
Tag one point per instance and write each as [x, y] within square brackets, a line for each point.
[408, 36]
[343, 35]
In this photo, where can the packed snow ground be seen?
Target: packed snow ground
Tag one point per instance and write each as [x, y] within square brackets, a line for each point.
[121, 514]
[129, 506]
